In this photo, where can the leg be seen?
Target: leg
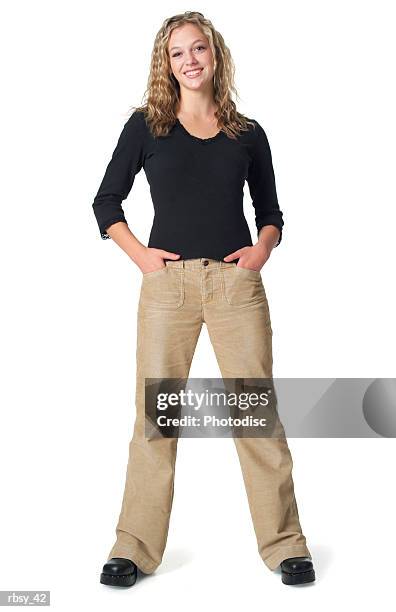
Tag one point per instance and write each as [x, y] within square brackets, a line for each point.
[169, 324]
[240, 330]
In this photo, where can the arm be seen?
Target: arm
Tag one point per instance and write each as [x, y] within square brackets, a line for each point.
[268, 217]
[262, 187]
[125, 163]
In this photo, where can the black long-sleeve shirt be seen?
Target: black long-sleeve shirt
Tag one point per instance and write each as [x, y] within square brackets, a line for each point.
[196, 186]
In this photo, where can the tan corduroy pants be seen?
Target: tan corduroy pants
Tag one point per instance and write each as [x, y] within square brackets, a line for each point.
[174, 303]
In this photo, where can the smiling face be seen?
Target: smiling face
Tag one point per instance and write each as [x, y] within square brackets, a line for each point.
[191, 57]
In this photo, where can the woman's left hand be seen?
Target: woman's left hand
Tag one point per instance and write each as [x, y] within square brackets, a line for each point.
[251, 257]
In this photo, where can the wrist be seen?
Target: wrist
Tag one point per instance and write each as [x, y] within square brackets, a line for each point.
[138, 253]
[268, 237]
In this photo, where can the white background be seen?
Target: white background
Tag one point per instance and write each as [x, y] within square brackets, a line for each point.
[319, 77]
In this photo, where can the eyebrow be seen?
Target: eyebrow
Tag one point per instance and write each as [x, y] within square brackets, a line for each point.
[195, 41]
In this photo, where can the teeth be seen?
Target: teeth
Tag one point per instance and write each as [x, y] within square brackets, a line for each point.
[193, 72]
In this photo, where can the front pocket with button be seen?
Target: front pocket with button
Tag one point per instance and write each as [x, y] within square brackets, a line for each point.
[163, 288]
[242, 286]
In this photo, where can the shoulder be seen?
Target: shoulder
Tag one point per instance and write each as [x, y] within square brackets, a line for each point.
[135, 131]
[256, 130]
[253, 134]
[257, 137]
[136, 121]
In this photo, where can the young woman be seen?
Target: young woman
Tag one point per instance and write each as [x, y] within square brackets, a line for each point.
[200, 266]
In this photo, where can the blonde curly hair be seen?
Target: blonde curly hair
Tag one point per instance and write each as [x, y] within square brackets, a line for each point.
[163, 91]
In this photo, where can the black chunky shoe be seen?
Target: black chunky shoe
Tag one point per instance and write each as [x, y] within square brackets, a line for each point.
[297, 570]
[119, 572]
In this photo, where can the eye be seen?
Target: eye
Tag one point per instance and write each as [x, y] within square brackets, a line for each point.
[198, 47]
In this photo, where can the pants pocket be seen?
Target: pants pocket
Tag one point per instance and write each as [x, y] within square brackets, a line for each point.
[163, 289]
[242, 287]
[154, 271]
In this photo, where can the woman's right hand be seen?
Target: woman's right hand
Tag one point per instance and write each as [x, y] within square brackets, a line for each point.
[152, 259]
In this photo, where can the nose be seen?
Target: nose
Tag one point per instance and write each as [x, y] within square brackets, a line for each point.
[190, 59]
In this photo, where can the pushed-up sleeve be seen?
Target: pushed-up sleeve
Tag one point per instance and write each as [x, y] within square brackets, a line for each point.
[125, 163]
[261, 181]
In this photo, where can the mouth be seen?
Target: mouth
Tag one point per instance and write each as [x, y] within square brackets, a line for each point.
[192, 74]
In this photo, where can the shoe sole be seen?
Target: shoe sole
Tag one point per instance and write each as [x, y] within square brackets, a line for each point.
[299, 578]
[124, 580]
